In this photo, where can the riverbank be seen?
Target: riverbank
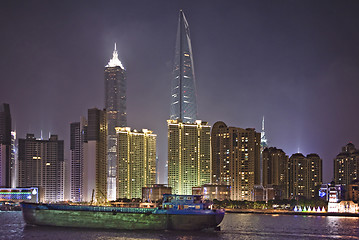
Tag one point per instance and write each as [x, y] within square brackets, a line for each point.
[287, 212]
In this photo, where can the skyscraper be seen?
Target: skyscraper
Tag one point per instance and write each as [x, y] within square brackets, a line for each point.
[183, 87]
[115, 104]
[41, 164]
[236, 159]
[5, 145]
[95, 155]
[77, 139]
[189, 155]
[137, 161]
[88, 145]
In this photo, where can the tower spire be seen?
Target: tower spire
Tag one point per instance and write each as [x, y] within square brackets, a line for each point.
[114, 61]
[263, 136]
[263, 124]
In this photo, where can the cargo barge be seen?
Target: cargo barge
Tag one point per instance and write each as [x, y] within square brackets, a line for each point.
[177, 212]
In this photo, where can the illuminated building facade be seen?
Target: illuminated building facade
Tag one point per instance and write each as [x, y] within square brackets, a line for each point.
[95, 157]
[260, 193]
[346, 165]
[275, 169]
[304, 175]
[213, 191]
[236, 159]
[5, 145]
[41, 164]
[155, 192]
[136, 153]
[21, 194]
[183, 88]
[115, 104]
[189, 155]
[326, 190]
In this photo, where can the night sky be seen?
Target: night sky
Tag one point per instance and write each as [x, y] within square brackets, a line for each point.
[294, 62]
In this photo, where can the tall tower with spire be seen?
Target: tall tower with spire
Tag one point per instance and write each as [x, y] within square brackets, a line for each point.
[264, 145]
[183, 87]
[263, 137]
[115, 104]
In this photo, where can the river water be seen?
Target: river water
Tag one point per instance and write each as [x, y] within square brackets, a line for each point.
[234, 226]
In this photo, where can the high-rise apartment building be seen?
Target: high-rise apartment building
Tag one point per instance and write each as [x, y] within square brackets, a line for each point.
[183, 87]
[304, 175]
[346, 165]
[236, 159]
[115, 104]
[275, 169]
[189, 155]
[41, 164]
[5, 145]
[136, 152]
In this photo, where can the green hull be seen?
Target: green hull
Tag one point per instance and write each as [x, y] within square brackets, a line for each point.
[105, 220]
[119, 220]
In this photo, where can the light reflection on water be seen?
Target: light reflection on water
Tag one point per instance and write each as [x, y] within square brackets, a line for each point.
[234, 226]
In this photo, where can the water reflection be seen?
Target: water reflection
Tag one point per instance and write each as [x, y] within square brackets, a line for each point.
[42, 232]
[234, 226]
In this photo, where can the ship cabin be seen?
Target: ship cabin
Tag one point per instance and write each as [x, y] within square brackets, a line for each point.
[185, 202]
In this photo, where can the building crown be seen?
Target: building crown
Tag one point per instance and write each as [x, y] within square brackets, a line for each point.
[114, 61]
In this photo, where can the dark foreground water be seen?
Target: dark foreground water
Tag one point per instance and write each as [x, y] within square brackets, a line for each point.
[234, 226]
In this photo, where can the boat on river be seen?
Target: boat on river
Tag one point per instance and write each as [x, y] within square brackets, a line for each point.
[177, 212]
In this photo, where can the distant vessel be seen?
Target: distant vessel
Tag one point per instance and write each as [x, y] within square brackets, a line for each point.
[178, 212]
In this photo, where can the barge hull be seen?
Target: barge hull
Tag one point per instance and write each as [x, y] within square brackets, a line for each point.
[119, 218]
[103, 220]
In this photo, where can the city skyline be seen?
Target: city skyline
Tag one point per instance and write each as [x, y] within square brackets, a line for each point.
[294, 63]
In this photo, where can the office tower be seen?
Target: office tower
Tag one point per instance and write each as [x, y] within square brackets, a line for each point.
[183, 88]
[95, 157]
[189, 155]
[115, 104]
[136, 153]
[275, 169]
[77, 138]
[236, 159]
[346, 165]
[41, 164]
[5, 145]
[304, 175]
